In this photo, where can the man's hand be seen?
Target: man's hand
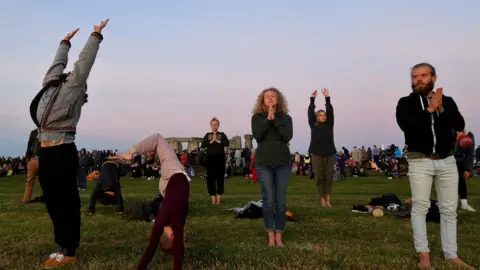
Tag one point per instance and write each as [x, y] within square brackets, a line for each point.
[325, 92]
[314, 94]
[435, 101]
[439, 96]
[99, 28]
[71, 34]
[466, 174]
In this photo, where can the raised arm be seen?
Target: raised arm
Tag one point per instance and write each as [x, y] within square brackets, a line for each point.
[311, 112]
[329, 110]
[60, 61]
[260, 127]
[87, 57]
[84, 64]
[284, 127]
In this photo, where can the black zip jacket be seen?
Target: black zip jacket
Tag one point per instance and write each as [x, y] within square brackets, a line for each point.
[215, 148]
[416, 123]
[33, 145]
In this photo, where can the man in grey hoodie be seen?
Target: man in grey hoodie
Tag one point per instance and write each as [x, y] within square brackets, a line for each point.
[56, 111]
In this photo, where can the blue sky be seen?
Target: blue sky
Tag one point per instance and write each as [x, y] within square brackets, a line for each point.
[169, 66]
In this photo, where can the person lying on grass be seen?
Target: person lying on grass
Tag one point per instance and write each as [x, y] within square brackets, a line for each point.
[168, 228]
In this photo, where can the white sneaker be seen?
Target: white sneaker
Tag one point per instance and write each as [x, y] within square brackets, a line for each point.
[467, 207]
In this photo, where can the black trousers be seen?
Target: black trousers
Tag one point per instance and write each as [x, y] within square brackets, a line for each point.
[215, 174]
[462, 183]
[58, 167]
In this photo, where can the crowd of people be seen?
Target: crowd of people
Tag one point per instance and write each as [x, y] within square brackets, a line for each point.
[430, 121]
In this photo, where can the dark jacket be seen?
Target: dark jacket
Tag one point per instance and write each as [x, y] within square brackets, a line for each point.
[321, 134]
[466, 156]
[109, 175]
[416, 123]
[33, 145]
[215, 148]
[273, 137]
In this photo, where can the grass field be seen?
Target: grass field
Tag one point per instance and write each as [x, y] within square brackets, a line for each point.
[323, 239]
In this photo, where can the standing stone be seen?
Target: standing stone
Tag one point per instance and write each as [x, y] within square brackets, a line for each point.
[248, 141]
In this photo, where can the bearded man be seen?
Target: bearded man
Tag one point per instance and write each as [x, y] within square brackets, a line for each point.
[430, 121]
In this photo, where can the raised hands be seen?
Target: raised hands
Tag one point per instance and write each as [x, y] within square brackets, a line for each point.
[325, 92]
[314, 94]
[71, 34]
[99, 28]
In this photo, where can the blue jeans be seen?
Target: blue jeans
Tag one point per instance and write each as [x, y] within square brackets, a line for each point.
[274, 182]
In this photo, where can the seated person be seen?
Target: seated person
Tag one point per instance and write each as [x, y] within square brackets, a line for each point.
[108, 190]
[355, 172]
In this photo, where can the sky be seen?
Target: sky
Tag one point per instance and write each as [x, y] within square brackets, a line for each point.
[170, 66]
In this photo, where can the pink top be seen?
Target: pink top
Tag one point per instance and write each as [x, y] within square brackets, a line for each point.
[169, 162]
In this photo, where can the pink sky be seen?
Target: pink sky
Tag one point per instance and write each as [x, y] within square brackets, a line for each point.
[173, 81]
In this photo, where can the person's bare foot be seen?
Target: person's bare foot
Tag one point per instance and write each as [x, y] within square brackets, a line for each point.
[328, 202]
[271, 239]
[424, 260]
[214, 200]
[278, 240]
[461, 263]
[324, 202]
[219, 199]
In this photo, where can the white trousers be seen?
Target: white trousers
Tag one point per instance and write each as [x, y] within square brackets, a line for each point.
[422, 172]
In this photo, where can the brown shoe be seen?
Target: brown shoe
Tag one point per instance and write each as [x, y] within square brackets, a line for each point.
[52, 257]
[58, 261]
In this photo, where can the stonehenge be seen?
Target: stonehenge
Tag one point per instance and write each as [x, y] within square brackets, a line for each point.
[196, 142]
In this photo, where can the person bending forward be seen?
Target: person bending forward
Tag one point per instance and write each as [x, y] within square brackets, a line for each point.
[175, 189]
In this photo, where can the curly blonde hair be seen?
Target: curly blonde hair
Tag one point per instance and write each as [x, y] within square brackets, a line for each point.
[281, 102]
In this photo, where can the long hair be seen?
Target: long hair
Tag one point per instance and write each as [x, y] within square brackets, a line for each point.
[281, 102]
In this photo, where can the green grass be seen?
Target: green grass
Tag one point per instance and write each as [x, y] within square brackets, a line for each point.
[323, 239]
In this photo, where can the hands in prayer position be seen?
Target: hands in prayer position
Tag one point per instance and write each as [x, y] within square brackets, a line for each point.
[436, 102]
[271, 113]
[214, 139]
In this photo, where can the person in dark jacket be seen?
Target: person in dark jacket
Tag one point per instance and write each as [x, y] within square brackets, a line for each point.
[215, 143]
[272, 128]
[83, 159]
[429, 121]
[322, 146]
[108, 190]
[31, 155]
[464, 158]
